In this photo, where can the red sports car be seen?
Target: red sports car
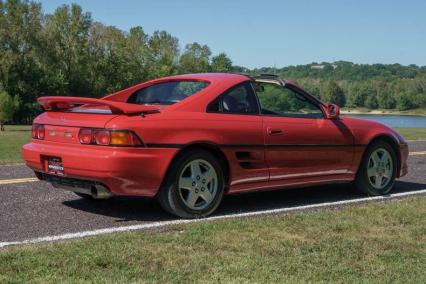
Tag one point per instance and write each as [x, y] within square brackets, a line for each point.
[188, 140]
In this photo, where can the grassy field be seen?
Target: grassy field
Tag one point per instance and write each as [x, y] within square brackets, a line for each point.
[412, 133]
[379, 242]
[15, 136]
[11, 142]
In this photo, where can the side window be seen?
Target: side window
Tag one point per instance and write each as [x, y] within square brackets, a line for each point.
[277, 100]
[240, 99]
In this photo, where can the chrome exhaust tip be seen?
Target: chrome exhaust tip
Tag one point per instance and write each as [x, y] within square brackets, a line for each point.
[100, 191]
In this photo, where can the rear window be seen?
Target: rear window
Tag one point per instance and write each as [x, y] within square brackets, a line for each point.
[166, 93]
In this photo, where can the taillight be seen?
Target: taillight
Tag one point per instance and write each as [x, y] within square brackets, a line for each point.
[124, 138]
[85, 136]
[34, 131]
[37, 131]
[108, 137]
[102, 137]
[40, 132]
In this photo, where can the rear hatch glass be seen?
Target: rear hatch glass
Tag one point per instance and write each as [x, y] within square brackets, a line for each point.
[166, 93]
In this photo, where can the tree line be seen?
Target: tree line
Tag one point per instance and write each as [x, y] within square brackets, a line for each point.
[67, 53]
[372, 86]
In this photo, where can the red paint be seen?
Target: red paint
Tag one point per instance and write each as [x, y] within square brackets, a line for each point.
[263, 152]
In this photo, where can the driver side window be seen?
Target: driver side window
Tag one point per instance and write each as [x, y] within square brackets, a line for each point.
[276, 100]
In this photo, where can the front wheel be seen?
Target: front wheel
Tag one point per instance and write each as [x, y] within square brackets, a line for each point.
[194, 185]
[377, 171]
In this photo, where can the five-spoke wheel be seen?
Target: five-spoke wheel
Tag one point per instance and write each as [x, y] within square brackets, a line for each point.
[194, 185]
[380, 168]
[198, 184]
[377, 171]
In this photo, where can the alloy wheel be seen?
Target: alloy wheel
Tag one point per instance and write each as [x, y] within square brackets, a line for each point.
[198, 184]
[380, 168]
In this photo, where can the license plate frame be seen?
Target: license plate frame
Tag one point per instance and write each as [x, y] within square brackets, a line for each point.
[54, 166]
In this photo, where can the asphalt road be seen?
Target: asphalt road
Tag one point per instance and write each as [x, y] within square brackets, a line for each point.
[31, 210]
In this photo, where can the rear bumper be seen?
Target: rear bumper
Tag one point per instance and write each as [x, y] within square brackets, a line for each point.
[135, 171]
[403, 152]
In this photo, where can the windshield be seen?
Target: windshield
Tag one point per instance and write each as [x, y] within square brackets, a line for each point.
[166, 93]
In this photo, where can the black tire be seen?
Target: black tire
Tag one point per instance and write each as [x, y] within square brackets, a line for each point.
[170, 196]
[363, 182]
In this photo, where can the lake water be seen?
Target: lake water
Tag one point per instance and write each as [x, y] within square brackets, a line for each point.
[393, 120]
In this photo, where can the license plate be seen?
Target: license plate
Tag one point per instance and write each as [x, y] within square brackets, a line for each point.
[54, 166]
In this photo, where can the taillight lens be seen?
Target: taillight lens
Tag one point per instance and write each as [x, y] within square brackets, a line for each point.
[108, 137]
[124, 138]
[85, 136]
[34, 131]
[40, 132]
[102, 137]
[37, 131]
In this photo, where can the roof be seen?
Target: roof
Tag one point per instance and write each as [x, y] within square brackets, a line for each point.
[212, 77]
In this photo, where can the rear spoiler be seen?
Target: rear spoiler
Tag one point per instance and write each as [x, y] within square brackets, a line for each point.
[64, 103]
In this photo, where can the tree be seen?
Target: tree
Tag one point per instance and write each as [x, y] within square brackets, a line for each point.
[66, 53]
[163, 54]
[404, 102]
[221, 63]
[21, 49]
[385, 99]
[359, 92]
[8, 107]
[67, 33]
[107, 67]
[332, 93]
[195, 59]
[371, 101]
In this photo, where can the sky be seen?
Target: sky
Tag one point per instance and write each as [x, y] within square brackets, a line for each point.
[278, 33]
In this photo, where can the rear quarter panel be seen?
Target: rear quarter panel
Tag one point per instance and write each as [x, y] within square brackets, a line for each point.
[229, 133]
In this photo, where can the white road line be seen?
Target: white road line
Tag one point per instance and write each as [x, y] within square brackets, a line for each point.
[12, 164]
[183, 221]
[417, 153]
[17, 180]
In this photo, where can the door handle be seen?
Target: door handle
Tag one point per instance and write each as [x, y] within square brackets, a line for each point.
[274, 131]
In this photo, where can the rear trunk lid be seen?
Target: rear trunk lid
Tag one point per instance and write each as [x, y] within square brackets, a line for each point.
[65, 116]
[63, 127]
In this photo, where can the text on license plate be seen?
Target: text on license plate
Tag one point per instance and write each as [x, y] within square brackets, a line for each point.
[54, 166]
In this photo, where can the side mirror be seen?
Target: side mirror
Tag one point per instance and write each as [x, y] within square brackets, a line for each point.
[332, 111]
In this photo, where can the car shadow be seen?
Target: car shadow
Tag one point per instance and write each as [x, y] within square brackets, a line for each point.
[126, 209]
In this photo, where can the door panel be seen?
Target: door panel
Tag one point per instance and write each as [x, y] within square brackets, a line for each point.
[306, 147]
[300, 142]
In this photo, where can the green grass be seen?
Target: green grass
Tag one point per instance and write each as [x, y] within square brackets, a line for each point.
[11, 142]
[412, 133]
[381, 243]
